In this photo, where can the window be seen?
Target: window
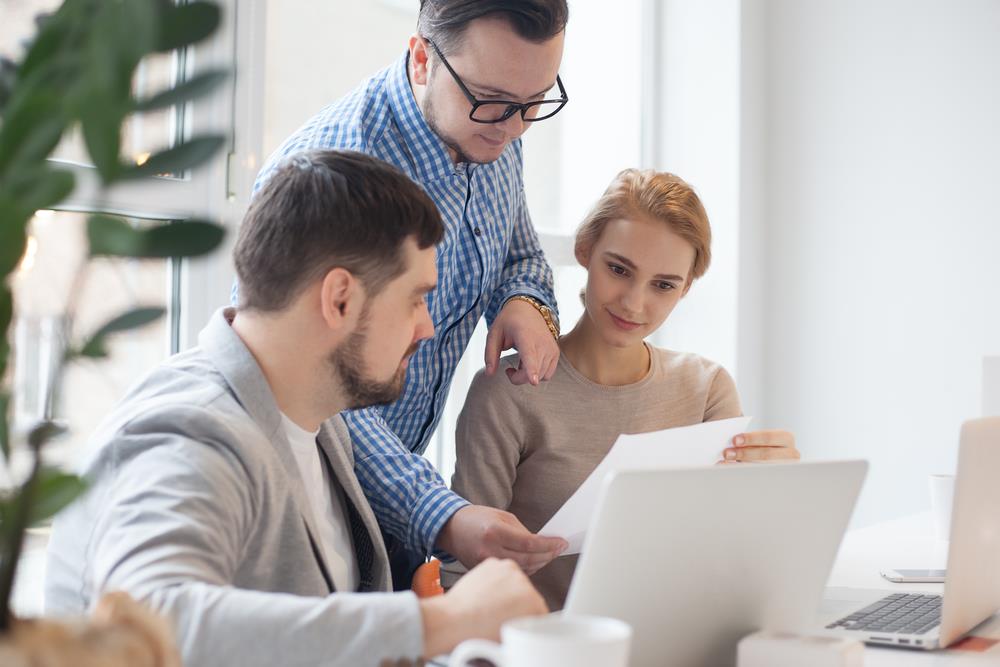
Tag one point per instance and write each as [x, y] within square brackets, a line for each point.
[42, 289]
[189, 290]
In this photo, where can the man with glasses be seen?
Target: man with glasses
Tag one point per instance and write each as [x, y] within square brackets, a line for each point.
[450, 113]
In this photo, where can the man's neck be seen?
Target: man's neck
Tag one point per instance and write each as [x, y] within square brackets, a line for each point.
[281, 346]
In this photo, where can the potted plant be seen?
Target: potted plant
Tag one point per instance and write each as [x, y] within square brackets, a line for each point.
[78, 72]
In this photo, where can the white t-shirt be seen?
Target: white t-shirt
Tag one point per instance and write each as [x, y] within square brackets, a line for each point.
[327, 499]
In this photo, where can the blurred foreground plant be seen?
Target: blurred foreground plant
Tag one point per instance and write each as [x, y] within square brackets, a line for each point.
[78, 72]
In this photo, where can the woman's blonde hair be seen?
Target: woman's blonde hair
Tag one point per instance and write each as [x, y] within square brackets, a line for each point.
[651, 195]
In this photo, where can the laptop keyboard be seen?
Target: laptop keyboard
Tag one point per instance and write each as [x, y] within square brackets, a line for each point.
[903, 613]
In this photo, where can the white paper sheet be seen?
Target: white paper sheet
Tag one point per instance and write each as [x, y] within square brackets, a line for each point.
[683, 447]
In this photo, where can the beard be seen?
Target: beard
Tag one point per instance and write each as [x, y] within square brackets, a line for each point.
[360, 389]
[430, 116]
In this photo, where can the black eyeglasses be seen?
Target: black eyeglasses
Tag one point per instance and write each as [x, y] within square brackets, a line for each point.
[497, 111]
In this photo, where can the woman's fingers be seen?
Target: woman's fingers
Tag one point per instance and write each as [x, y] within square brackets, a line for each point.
[766, 438]
[756, 454]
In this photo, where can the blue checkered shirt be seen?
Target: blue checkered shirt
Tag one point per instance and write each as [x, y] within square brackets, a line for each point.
[490, 253]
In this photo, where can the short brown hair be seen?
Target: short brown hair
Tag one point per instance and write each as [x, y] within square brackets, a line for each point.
[326, 209]
[444, 21]
[652, 195]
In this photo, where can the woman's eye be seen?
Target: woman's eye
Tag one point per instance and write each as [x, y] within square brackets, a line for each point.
[664, 286]
[617, 270]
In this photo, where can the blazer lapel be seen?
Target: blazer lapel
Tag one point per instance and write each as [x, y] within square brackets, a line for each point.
[297, 488]
[373, 563]
[247, 382]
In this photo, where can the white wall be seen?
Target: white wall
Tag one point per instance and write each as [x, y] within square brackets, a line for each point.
[752, 273]
[570, 159]
[699, 133]
[318, 50]
[882, 157]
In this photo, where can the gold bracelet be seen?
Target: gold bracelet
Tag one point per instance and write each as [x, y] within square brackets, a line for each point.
[542, 309]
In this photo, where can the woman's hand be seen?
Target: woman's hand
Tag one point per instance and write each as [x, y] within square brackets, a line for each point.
[761, 446]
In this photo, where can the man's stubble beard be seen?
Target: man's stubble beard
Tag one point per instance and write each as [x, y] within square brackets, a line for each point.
[430, 116]
[360, 390]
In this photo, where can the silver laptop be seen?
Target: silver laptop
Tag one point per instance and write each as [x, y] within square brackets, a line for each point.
[695, 559]
[972, 583]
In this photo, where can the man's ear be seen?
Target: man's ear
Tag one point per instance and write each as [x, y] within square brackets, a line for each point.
[341, 298]
[418, 59]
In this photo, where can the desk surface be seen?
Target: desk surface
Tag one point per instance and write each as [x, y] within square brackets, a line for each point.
[901, 543]
[908, 542]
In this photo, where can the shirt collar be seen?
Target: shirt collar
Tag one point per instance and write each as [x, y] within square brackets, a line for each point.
[429, 154]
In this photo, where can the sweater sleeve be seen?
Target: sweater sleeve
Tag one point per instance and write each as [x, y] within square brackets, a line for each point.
[723, 401]
[489, 442]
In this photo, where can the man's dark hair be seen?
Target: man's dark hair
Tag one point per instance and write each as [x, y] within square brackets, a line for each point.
[444, 21]
[326, 209]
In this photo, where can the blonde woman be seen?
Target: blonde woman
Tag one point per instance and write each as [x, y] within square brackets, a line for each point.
[526, 449]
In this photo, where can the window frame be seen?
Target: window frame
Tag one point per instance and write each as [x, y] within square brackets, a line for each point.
[219, 190]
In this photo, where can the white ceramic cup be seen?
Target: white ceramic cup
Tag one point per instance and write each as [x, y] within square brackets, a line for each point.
[942, 493]
[556, 640]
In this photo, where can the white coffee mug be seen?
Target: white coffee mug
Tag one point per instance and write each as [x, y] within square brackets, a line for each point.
[556, 640]
[942, 493]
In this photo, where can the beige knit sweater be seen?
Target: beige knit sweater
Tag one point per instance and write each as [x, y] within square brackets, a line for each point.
[526, 449]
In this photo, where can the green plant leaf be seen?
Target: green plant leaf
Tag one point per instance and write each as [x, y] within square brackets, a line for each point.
[179, 158]
[120, 35]
[32, 126]
[47, 188]
[116, 238]
[112, 237]
[6, 309]
[190, 238]
[4, 356]
[133, 319]
[53, 34]
[8, 505]
[190, 89]
[181, 25]
[4, 429]
[43, 432]
[136, 26]
[8, 73]
[6, 317]
[13, 223]
[102, 136]
[54, 491]
[102, 104]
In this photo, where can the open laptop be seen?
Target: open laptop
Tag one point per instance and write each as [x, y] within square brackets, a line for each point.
[972, 583]
[695, 559]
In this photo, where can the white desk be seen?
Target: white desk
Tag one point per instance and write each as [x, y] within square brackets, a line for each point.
[904, 543]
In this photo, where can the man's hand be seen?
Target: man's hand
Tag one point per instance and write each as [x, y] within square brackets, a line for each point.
[475, 607]
[758, 446]
[521, 326]
[475, 533]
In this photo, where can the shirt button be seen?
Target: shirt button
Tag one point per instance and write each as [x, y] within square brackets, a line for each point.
[478, 231]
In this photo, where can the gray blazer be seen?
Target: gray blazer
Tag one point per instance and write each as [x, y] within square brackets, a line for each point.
[197, 508]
